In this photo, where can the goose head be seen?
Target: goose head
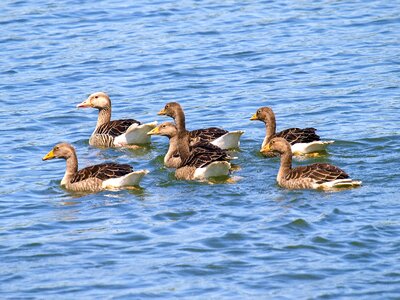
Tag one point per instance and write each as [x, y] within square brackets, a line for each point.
[264, 114]
[99, 100]
[277, 145]
[166, 129]
[62, 150]
[171, 109]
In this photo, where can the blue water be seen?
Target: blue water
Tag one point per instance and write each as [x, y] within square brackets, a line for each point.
[333, 65]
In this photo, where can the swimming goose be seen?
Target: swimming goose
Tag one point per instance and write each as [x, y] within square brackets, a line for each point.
[94, 178]
[117, 133]
[315, 176]
[172, 158]
[201, 160]
[219, 137]
[302, 141]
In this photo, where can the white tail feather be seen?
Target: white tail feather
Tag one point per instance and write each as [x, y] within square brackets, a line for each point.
[229, 140]
[131, 179]
[136, 134]
[215, 169]
[340, 183]
[305, 148]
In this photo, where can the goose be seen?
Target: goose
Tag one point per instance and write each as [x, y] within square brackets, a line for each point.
[302, 141]
[94, 178]
[172, 158]
[315, 176]
[219, 137]
[117, 133]
[197, 160]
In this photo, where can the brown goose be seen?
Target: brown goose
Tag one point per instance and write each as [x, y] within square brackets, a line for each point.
[219, 137]
[94, 178]
[117, 133]
[315, 176]
[302, 141]
[201, 160]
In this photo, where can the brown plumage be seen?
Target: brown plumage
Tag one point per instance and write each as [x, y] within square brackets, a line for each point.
[94, 178]
[196, 159]
[314, 176]
[115, 133]
[220, 137]
[116, 127]
[102, 171]
[302, 140]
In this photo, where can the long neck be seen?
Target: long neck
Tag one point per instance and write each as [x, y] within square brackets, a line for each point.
[180, 120]
[183, 135]
[104, 116]
[286, 163]
[72, 168]
[270, 129]
[169, 159]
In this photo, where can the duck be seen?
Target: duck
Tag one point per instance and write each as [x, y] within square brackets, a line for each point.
[117, 133]
[217, 136]
[303, 141]
[94, 178]
[193, 160]
[315, 176]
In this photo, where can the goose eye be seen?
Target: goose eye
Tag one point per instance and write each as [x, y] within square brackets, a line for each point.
[55, 148]
[166, 106]
[259, 111]
[96, 97]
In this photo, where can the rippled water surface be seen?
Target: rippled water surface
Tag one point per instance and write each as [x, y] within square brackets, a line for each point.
[333, 65]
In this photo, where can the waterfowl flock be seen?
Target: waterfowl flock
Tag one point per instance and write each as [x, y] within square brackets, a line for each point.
[199, 154]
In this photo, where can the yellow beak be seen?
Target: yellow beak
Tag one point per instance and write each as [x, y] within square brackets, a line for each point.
[162, 112]
[49, 155]
[84, 104]
[254, 117]
[266, 148]
[154, 131]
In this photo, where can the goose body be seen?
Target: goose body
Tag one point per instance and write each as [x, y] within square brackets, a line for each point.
[117, 133]
[221, 138]
[94, 178]
[201, 161]
[302, 141]
[314, 176]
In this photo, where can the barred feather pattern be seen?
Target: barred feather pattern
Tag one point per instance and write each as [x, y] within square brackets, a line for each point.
[298, 135]
[207, 134]
[318, 172]
[102, 172]
[203, 153]
[116, 127]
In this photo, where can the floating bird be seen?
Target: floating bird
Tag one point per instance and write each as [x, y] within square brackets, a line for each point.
[219, 137]
[197, 160]
[302, 141]
[117, 133]
[315, 176]
[94, 178]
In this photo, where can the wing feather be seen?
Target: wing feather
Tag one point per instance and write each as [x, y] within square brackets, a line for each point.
[320, 172]
[102, 171]
[204, 153]
[207, 134]
[297, 135]
[116, 127]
